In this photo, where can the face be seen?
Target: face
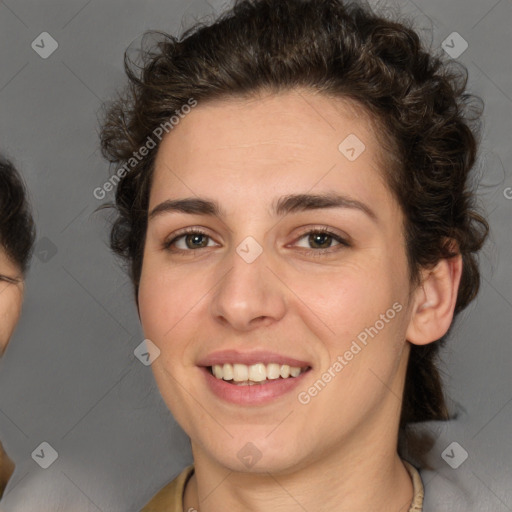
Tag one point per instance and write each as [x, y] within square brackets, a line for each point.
[11, 296]
[268, 282]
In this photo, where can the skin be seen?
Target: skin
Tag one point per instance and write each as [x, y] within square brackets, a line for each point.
[11, 298]
[342, 445]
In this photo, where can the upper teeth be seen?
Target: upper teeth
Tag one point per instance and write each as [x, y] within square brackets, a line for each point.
[256, 372]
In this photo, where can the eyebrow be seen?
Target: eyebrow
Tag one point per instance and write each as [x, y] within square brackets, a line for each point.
[284, 205]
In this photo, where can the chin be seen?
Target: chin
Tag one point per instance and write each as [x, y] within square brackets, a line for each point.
[257, 454]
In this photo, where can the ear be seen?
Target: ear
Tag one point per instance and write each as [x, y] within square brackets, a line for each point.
[434, 301]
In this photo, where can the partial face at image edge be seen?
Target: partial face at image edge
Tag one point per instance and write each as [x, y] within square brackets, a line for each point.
[11, 298]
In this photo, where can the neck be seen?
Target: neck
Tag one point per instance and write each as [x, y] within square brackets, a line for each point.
[363, 478]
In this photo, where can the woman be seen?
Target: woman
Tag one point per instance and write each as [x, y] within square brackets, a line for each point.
[293, 206]
[17, 234]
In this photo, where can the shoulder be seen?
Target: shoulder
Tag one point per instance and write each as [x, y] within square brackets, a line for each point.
[466, 475]
[170, 497]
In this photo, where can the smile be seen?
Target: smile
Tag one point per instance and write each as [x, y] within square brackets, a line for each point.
[259, 373]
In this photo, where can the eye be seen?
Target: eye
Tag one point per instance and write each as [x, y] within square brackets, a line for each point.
[321, 240]
[10, 280]
[187, 240]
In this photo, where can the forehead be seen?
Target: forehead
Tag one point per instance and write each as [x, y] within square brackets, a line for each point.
[293, 140]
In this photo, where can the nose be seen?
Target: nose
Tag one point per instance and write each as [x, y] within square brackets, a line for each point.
[249, 295]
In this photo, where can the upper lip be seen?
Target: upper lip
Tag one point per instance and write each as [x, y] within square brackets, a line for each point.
[250, 358]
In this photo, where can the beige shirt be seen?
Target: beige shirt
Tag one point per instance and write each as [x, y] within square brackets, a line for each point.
[170, 498]
[6, 469]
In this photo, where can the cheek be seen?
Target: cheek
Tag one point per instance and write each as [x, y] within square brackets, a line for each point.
[364, 302]
[10, 310]
[158, 307]
[350, 295]
[166, 299]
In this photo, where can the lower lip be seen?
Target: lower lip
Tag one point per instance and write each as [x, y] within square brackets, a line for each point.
[257, 394]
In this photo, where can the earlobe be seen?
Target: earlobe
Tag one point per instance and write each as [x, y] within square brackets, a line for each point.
[434, 301]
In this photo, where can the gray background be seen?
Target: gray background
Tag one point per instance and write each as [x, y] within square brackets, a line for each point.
[69, 376]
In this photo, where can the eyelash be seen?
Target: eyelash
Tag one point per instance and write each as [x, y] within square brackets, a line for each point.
[342, 242]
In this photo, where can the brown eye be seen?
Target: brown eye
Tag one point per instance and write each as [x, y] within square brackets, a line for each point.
[188, 241]
[196, 240]
[320, 241]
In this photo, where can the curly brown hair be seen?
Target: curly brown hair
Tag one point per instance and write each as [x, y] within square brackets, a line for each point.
[428, 126]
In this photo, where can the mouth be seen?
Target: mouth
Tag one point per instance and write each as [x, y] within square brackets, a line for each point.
[255, 378]
[255, 374]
